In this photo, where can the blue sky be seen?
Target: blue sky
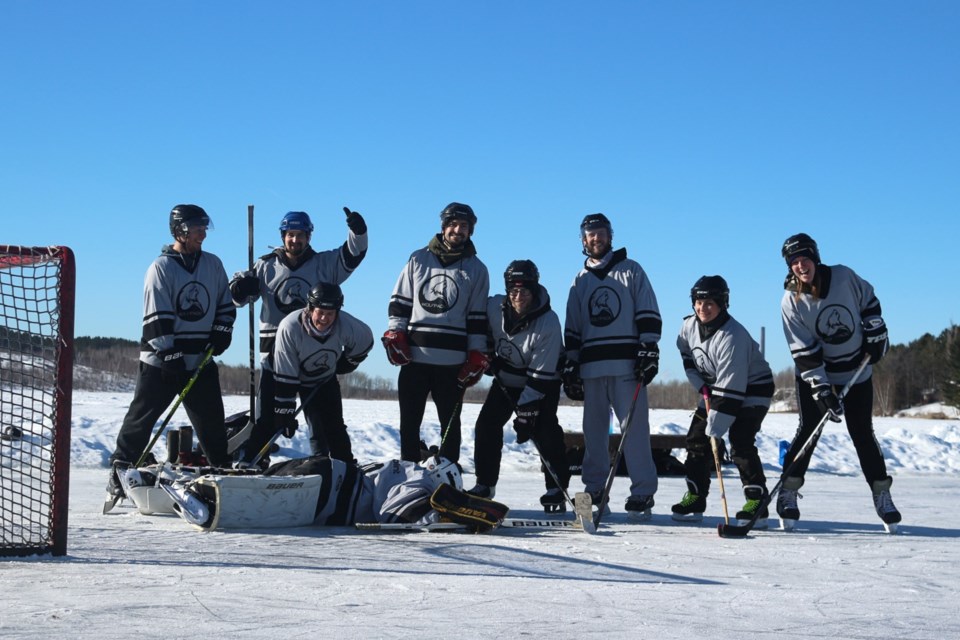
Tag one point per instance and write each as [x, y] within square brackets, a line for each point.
[707, 131]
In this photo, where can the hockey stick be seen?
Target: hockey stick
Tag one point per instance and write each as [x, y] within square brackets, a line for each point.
[243, 435]
[716, 462]
[740, 531]
[624, 428]
[183, 394]
[453, 415]
[532, 524]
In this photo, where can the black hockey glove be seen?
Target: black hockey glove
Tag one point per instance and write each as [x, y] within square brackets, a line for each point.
[875, 341]
[285, 421]
[648, 362]
[172, 368]
[355, 222]
[526, 420]
[349, 364]
[245, 287]
[570, 376]
[828, 402]
[220, 337]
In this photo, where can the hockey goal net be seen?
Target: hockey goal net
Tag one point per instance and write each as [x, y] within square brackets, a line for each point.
[36, 383]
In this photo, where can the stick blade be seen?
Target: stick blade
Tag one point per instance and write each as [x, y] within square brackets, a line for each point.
[733, 530]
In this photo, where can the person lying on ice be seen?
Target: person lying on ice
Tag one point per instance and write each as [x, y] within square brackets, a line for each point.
[320, 490]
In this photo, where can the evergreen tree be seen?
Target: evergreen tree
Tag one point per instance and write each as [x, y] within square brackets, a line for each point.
[950, 383]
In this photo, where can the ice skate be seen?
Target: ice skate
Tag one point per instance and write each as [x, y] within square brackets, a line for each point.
[754, 495]
[553, 501]
[787, 507]
[638, 508]
[884, 505]
[483, 491]
[691, 505]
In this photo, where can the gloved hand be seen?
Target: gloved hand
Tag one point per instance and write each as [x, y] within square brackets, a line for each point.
[220, 336]
[648, 362]
[245, 287]
[570, 376]
[828, 402]
[172, 368]
[705, 392]
[355, 222]
[349, 364]
[472, 370]
[285, 421]
[525, 421]
[875, 341]
[398, 349]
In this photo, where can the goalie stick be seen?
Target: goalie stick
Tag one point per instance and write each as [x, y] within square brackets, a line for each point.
[740, 531]
[530, 524]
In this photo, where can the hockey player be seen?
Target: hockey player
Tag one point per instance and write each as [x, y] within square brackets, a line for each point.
[526, 339]
[186, 311]
[437, 330]
[831, 320]
[611, 333]
[724, 364]
[396, 491]
[312, 347]
[283, 278]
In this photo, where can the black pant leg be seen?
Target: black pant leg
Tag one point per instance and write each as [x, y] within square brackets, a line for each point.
[413, 387]
[699, 453]
[150, 399]
[810, 416]
[324, 413]
[858, 413]
[447, 396]
[548, 435]
[488, 442]
[743, 445]
[204, 407]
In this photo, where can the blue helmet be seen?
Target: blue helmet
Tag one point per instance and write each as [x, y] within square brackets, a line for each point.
[296, 221]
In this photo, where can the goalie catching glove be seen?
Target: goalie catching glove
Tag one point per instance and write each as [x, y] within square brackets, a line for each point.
[479, 514]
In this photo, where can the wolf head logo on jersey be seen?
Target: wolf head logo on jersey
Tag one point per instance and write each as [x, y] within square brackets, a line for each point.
[438, 294]
[510, 353]
[319, 363]
[604, 306]
[193, 301]
[291, 294]
[835, 324]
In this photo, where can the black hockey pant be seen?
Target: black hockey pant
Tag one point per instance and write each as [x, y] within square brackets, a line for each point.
[548, 435]
[857, 413]
[415, 382]
[700, 466]
[152, 399]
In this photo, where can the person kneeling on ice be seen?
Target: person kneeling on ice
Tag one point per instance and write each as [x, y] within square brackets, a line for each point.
[725, 365]
[323, 491]
[313, 346]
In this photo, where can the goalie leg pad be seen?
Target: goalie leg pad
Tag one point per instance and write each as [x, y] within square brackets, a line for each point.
[480, 514]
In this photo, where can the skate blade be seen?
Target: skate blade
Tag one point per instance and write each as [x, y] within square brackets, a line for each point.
[787, 524]
[639, 516]
[891, 528]
[554, 508]
[110, 503]
[687, 518]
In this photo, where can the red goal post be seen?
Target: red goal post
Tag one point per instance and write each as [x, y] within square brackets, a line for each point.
[37, 293]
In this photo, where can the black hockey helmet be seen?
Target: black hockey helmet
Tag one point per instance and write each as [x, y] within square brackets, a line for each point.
[800, 245]
[521, 273]
[711, 288]
[325, 295]
[296, 221]
[458, 211]
[595, 221]
[184, 216]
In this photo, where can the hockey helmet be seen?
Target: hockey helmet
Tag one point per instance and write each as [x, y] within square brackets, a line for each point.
[800, 245]
[443, 471]
[594, 221]
[325, 295]
[184, 216]
[521, 273]
[296, 221]
[457, 211]
[711, 288]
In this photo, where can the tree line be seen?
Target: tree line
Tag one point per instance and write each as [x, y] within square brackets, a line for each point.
[920, 372]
